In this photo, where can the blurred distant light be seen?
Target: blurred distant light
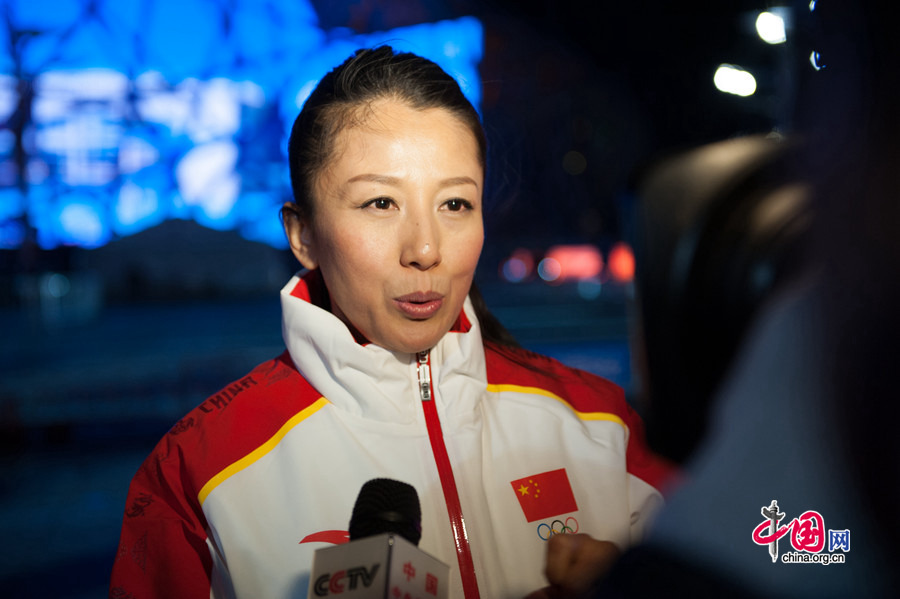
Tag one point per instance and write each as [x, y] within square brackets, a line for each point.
[129, 95]
[514, 270]
[812, 5]
[36, 171]
[7, 141]
[11, 202]
[203, 167]
[9, 96]
[9, 173]
[220, 201]
[252, 94]
[621, 263]
[518, 267]
[136, 208]
[215, 109]
[12, 234]
[78, 117]
[574, 162]
[263, 222]
[452, 49]
[136, 153]
[815, 59]
[303, 94]
[732, 79]
[770, 27]
[589, 289]
[571, 262]
[56, 90]
[549, 269]
[83, 225]
[57, 285]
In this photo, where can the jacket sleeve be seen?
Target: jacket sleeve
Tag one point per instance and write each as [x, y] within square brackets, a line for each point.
[163, 549]
[651, 477]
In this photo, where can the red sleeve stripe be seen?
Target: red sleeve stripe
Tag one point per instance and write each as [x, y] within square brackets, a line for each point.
[260, 451]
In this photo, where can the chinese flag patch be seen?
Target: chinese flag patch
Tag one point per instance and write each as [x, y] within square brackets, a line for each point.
[545, 495]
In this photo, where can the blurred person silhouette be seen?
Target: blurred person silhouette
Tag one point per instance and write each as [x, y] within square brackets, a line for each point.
[791, 490]
[394, 368]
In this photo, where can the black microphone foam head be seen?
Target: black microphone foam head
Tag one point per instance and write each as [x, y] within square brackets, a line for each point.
[386, 505]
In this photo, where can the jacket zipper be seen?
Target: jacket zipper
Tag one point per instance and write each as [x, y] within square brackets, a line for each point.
[448, 483]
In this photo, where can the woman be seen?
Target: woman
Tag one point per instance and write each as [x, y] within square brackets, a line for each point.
[390, 371]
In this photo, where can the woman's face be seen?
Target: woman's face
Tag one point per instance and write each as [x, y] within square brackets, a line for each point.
[397, 227]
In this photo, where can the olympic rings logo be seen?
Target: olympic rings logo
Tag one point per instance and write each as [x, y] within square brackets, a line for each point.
[557, 527]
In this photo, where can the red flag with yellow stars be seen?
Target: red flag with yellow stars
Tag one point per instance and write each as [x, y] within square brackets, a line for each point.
[545, 495]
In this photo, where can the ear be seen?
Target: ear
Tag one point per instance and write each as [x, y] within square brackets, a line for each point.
[299, 234]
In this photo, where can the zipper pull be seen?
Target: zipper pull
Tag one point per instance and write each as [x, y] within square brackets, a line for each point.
[424, 374]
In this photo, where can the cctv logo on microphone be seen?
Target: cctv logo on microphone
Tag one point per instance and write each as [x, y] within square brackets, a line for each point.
[384, 565]
[342, 580]
[545, 495]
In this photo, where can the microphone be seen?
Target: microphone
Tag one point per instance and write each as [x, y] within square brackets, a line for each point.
[382, 560]
[386, 505]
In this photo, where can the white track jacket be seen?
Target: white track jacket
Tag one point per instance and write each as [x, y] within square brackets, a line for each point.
[503, 449]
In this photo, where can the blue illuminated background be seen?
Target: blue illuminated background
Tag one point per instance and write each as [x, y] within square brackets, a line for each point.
[118, 116]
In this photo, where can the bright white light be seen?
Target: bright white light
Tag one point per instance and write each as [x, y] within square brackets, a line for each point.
[770, 28]
[81, 142]
[222, 196]
[83, 84]
[201, 170]
[216, 110]
[169, 108]
[734, 80]
[136, 153]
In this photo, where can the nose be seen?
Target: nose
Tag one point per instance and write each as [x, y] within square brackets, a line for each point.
[421, 243]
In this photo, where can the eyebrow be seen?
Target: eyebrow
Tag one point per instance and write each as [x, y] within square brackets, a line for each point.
[396, 182]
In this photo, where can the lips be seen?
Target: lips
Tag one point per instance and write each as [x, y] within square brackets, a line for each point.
[419, 305]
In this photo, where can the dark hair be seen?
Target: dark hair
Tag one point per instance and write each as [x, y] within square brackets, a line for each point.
[342, 96]
[341, 99]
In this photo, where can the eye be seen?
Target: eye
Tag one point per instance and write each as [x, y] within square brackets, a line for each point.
[458, 204]
[379, 203]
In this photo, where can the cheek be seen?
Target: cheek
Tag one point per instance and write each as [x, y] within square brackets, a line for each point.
[470, 251]
[352, 255]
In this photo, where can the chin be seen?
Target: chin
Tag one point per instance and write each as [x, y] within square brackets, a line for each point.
[412, 337]
[412, 347]
[413, 344]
